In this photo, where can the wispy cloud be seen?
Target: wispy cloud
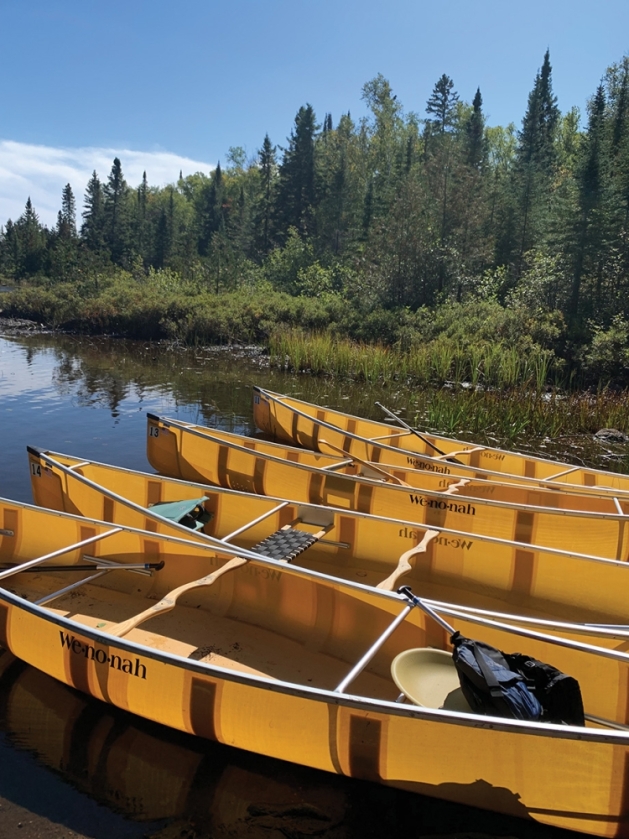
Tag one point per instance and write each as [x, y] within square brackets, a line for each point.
[42, 172]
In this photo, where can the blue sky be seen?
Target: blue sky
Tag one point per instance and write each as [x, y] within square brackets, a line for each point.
[171, 86]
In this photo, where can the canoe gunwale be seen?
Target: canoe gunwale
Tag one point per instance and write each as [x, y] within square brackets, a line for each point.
[329, 697]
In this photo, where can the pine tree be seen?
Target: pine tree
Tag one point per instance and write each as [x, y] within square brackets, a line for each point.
[93, 228]
[296, 193]
[442, 105]
[475, 141]
[116, 211]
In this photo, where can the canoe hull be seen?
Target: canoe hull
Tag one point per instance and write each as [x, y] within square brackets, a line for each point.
[303, 424]
[576, 784]
[274, 692]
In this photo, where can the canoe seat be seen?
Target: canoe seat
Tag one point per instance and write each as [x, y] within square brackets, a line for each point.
[190, 513]
[429, 678]
[286, 544]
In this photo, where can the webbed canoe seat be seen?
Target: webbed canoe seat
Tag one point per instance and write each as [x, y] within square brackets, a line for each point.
[190, 513]
[286, 544]
[429, 678]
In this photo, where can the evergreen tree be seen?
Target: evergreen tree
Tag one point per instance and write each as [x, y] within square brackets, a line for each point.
[592, 224]
[32, 238]
[116, 211]
[442, 104]
[268, 174]
[142, 223]
[475, 141]
[535, 162]
[296, 192]
[66, 221]
[93, 228]
[213, 210]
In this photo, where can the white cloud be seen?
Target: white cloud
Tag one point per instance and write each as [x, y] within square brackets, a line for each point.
[42, 172]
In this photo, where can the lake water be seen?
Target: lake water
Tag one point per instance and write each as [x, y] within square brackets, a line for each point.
[95, 769]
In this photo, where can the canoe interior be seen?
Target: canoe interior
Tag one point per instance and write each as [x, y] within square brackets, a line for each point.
[467, 568]
[266, 642]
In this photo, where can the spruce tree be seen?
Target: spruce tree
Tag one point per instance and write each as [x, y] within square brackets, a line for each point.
[32, 241]
[93, 228]
[475, 141]
[296, 193]
[268, 174]
[213, 211]
[142, 223]
[535, 163]
[592, 224]
[66, 221]
[442, 105]
[116, 211]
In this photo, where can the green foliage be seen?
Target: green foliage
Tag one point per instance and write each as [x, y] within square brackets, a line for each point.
[606, 359]
[436, 239]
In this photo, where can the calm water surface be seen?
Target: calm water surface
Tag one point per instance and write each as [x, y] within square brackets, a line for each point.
[93, 766]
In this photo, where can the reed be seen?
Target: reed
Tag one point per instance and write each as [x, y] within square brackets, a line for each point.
[437, 363]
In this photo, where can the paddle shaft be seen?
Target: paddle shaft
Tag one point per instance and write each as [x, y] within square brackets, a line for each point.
[416, 433]
[168, 602]
[386, 475]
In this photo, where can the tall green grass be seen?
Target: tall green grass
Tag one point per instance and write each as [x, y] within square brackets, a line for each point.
[435, 363]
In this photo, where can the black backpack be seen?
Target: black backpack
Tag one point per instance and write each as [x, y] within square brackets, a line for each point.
[515, 685]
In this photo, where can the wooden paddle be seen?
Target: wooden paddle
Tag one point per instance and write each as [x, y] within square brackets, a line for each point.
[404, 565]
[168, 602]
[386, 475]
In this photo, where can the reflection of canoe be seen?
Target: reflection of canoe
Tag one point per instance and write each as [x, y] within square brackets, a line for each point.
[148, 772]
[264, 656]
[481, 571]
[574, 522]
[145, 771]
[304, 424]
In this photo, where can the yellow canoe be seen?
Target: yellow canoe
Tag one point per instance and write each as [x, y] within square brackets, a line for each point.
[266, 657]
[577, 522]
[445, 564]
[313, 427]
[208, 459]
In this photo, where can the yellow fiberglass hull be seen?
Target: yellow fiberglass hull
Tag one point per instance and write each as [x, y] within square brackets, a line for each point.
[481, 571]
[304, 424]
[562, 524]
[272, 659]
[196, 453]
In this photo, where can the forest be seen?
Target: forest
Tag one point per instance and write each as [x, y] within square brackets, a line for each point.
[401, 232]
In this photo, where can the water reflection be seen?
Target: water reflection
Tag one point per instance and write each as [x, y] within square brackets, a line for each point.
[152, 774]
